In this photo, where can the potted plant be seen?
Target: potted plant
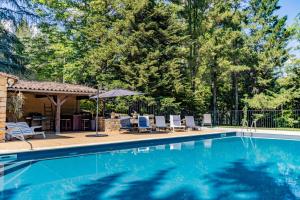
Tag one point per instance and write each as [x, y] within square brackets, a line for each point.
[90, 107]
[15, 105]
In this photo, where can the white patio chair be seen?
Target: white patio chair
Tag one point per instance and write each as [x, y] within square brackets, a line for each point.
[175, 123]
[160, 122]
[190, 123]
[13, 131]
[207, 120]
[30, 131]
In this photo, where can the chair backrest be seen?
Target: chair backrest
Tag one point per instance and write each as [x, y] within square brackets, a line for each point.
[143, 121]
[207, 119]
[175, 120]
[14, 128]
[160, 121]
[190, 121]
[125, 122]
[22, 125]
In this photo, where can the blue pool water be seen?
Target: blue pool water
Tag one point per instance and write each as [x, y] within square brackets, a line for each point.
[227, 168]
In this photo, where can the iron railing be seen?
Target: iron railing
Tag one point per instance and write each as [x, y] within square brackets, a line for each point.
[266, 118]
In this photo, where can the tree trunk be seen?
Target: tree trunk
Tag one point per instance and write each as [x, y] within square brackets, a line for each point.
[236, 97]
[214, 82]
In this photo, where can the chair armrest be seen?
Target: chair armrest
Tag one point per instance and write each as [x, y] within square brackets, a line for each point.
[35, 127]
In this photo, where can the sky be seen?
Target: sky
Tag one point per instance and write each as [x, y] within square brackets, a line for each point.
[290, 8]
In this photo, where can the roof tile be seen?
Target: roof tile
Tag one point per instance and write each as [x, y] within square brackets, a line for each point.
[52, 87]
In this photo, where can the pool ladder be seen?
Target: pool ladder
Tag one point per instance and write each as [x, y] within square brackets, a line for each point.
[249, 133]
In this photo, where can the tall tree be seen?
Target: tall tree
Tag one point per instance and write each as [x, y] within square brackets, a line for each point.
[12, 12]
[268, 38]
[222, 48]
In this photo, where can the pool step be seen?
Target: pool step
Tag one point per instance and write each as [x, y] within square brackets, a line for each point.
[8, 158]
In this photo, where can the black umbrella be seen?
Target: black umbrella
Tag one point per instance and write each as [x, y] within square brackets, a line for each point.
[111, 94]
[116, 93]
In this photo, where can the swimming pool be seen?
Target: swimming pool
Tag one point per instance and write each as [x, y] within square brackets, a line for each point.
[220, 168]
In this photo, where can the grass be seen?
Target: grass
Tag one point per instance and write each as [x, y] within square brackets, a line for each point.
[280, 128]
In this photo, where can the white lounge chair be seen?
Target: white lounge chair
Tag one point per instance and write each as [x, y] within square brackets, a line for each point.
[144, 123]
[13, 131]
[21, 130]
[190, 123]
[26, 129]
[207, 120]
[160, 122]
[175, 122]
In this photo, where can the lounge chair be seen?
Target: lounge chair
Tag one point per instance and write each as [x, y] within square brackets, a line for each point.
[190, 123]
[144, 123]
[21, 129]
[13, 131]
[175, 122]
[125, 123]
[160, 123]
[207, 120]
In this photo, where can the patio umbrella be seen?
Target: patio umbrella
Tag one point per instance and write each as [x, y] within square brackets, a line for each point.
[111, 94]
[116, 93]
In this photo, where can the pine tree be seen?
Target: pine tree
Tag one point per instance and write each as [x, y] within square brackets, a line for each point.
[222, 51]
[268, 38]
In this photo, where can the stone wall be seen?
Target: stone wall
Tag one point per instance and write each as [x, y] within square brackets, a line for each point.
[112, 125]
[3, 98]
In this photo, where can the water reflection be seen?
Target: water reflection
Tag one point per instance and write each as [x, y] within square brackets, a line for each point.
[175, 146]
[208, 143]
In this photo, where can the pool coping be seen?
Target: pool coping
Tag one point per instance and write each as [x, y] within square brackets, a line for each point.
[66, 151]
[72, 150]
[150, 138]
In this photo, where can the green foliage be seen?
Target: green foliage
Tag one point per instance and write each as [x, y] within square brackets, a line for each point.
[12, 14]
[169, 105]
[90, 106]
[191, 55]
[286, 119]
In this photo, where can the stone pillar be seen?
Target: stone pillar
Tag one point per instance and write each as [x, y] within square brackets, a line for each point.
[3, 98]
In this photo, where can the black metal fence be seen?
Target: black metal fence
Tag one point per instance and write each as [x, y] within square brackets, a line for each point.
[266, 118]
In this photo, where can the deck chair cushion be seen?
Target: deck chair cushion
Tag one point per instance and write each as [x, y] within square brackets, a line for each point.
[190, 121]
[14, 128]
[175, 121]
[143, 122]
[160, 121]
[125, 122]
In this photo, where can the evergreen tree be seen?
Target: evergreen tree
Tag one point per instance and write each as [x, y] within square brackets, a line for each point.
[222, 51]
[268, 38]
[12, 12]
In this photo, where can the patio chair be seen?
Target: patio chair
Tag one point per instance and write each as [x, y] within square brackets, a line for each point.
[125, 123]
[207, 120]
[20, 130]
[190, 123]
[13, 131]
[144, 123]
[27, 130]
[175, 122]
[160, 122]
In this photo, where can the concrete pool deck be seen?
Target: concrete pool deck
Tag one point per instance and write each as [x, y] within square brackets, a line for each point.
[71, 139]
[63, 140]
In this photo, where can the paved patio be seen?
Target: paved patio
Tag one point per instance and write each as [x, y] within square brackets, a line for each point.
[87, 138]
